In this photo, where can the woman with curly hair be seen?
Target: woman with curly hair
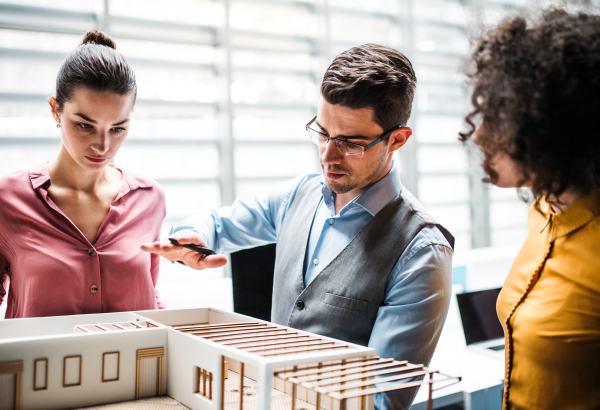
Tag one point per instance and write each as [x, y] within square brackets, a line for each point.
[536, 97]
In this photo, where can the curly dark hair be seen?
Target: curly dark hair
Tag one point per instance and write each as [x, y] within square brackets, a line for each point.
[536, 91]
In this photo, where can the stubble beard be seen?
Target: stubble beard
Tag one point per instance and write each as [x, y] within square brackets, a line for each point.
[352, 183]
[336, 186]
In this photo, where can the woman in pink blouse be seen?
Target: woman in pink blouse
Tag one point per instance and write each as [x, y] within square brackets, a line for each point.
[70, 229]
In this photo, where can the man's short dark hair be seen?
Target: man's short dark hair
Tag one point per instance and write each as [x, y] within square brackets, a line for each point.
[372, 76]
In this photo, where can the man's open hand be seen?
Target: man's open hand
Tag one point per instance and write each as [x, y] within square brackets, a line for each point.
[191, 258]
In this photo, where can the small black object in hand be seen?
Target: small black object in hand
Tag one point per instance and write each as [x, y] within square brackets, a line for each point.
[196, 248]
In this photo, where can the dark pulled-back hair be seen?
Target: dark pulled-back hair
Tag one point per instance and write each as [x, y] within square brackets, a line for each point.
[536, 89]
[97, 66]
[372, 76]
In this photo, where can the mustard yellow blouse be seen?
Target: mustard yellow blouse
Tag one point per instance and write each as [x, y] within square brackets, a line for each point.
[550, 310]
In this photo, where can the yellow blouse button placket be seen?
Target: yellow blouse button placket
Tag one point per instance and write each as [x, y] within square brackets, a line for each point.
[532, 280]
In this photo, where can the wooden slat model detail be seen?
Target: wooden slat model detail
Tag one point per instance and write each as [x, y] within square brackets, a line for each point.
[335, 385]
[263, 339]
[115, 327]
[341, 381]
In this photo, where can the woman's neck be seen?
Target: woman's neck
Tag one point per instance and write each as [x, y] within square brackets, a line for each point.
[564, 200]
[67, 173]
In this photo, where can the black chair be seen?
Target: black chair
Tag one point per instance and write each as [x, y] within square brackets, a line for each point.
[252, 278]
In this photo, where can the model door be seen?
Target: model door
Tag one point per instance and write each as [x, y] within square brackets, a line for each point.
[7, 391]
[149, 372]
[11, 375]
[149, 382]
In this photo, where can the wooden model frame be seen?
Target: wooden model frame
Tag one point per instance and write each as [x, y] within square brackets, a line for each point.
[116, 379]
[35, 370]
[155, 353]
[194, 349]
[80, 357]
[341, 381]
[15, 368]
[204, 382]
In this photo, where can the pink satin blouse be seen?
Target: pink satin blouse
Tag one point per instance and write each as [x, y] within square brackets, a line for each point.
[54, 270]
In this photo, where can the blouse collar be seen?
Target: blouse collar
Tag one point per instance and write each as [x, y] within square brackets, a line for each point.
[40, 176]
[574, 216]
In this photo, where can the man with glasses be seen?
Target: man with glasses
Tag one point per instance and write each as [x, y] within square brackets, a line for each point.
[358, 258]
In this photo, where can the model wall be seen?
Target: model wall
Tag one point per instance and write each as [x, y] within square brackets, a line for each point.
[56, 325]
[91, 347]
[174, 317]
[186, 353]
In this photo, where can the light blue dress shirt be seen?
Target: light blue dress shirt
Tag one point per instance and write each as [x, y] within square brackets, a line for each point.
[409, 323]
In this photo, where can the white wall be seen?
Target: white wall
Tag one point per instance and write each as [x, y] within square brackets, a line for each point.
[91, 347]
[185, 354]
[57, 325]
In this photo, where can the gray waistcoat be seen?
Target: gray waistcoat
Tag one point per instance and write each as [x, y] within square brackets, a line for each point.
[343, 300]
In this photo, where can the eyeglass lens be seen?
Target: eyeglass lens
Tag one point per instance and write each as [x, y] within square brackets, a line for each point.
[321, 140]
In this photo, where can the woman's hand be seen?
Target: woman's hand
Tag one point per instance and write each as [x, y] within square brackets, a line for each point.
[191, 258]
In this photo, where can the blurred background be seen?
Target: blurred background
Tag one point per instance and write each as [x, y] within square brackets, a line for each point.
[225, 88]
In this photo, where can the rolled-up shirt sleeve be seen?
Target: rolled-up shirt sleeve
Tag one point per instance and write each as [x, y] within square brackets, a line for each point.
[409, 324]
[248, 222]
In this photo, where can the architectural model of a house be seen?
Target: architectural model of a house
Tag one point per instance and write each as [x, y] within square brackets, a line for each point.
[203, 358]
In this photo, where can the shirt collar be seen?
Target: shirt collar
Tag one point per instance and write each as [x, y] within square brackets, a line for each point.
[375, 197]
[39, 176]
[576, 215]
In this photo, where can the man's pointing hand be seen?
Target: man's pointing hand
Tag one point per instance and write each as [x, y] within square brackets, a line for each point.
[191, 258]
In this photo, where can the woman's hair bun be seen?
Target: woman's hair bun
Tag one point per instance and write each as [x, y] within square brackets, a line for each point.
[97, 37]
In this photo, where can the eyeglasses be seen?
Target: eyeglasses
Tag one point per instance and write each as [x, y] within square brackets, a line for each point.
[349, 149]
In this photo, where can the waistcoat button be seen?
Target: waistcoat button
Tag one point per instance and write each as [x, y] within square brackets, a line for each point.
[300, 305]
[92, 252]
[94, 288]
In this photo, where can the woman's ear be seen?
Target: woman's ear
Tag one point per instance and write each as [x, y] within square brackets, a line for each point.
[54, 108]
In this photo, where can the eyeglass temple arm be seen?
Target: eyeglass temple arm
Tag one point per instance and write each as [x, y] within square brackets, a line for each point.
[384, 136]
